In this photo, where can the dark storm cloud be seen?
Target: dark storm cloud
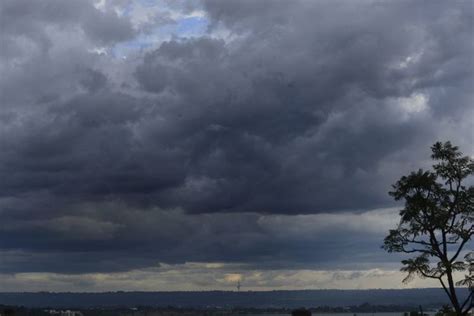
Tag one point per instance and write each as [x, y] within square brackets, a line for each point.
[309, 100]
[30, 19]
[178, 153]
[113, 237]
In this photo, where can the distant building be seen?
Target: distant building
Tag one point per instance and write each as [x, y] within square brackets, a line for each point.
[64, 312]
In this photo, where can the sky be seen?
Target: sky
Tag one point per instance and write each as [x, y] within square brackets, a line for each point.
[190, 145]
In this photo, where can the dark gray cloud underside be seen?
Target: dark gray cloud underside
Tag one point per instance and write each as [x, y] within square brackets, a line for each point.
[302, 108]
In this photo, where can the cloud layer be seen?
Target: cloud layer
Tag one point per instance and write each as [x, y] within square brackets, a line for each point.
[261, 133]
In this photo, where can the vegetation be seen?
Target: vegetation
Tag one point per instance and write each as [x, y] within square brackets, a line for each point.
[437, 223]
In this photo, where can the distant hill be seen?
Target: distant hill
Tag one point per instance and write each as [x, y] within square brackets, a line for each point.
[290, 299]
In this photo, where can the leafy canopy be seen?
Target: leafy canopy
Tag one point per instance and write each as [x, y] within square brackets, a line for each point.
[436, 222]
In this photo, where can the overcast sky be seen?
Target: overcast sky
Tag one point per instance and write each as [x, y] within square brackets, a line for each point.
[187, 145]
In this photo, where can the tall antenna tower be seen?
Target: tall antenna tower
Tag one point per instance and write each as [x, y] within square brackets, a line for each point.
[238, 286]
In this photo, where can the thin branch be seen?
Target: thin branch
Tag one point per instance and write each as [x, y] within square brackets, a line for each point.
[465, 240]
[466, 301]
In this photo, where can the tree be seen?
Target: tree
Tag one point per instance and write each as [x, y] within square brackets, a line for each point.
[436, 223]
[446, 310]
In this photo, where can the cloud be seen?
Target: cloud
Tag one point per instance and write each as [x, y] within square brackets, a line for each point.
[32, 20]
[244, 125]
[197, 277]
[118, 238]
[375, 221]
[268, 138]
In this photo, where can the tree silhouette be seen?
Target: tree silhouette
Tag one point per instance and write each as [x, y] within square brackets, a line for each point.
[436, 222]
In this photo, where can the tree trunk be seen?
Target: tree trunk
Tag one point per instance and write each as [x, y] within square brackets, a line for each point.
[452, 290]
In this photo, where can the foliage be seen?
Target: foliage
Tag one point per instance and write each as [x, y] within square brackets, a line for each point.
[436, 222]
